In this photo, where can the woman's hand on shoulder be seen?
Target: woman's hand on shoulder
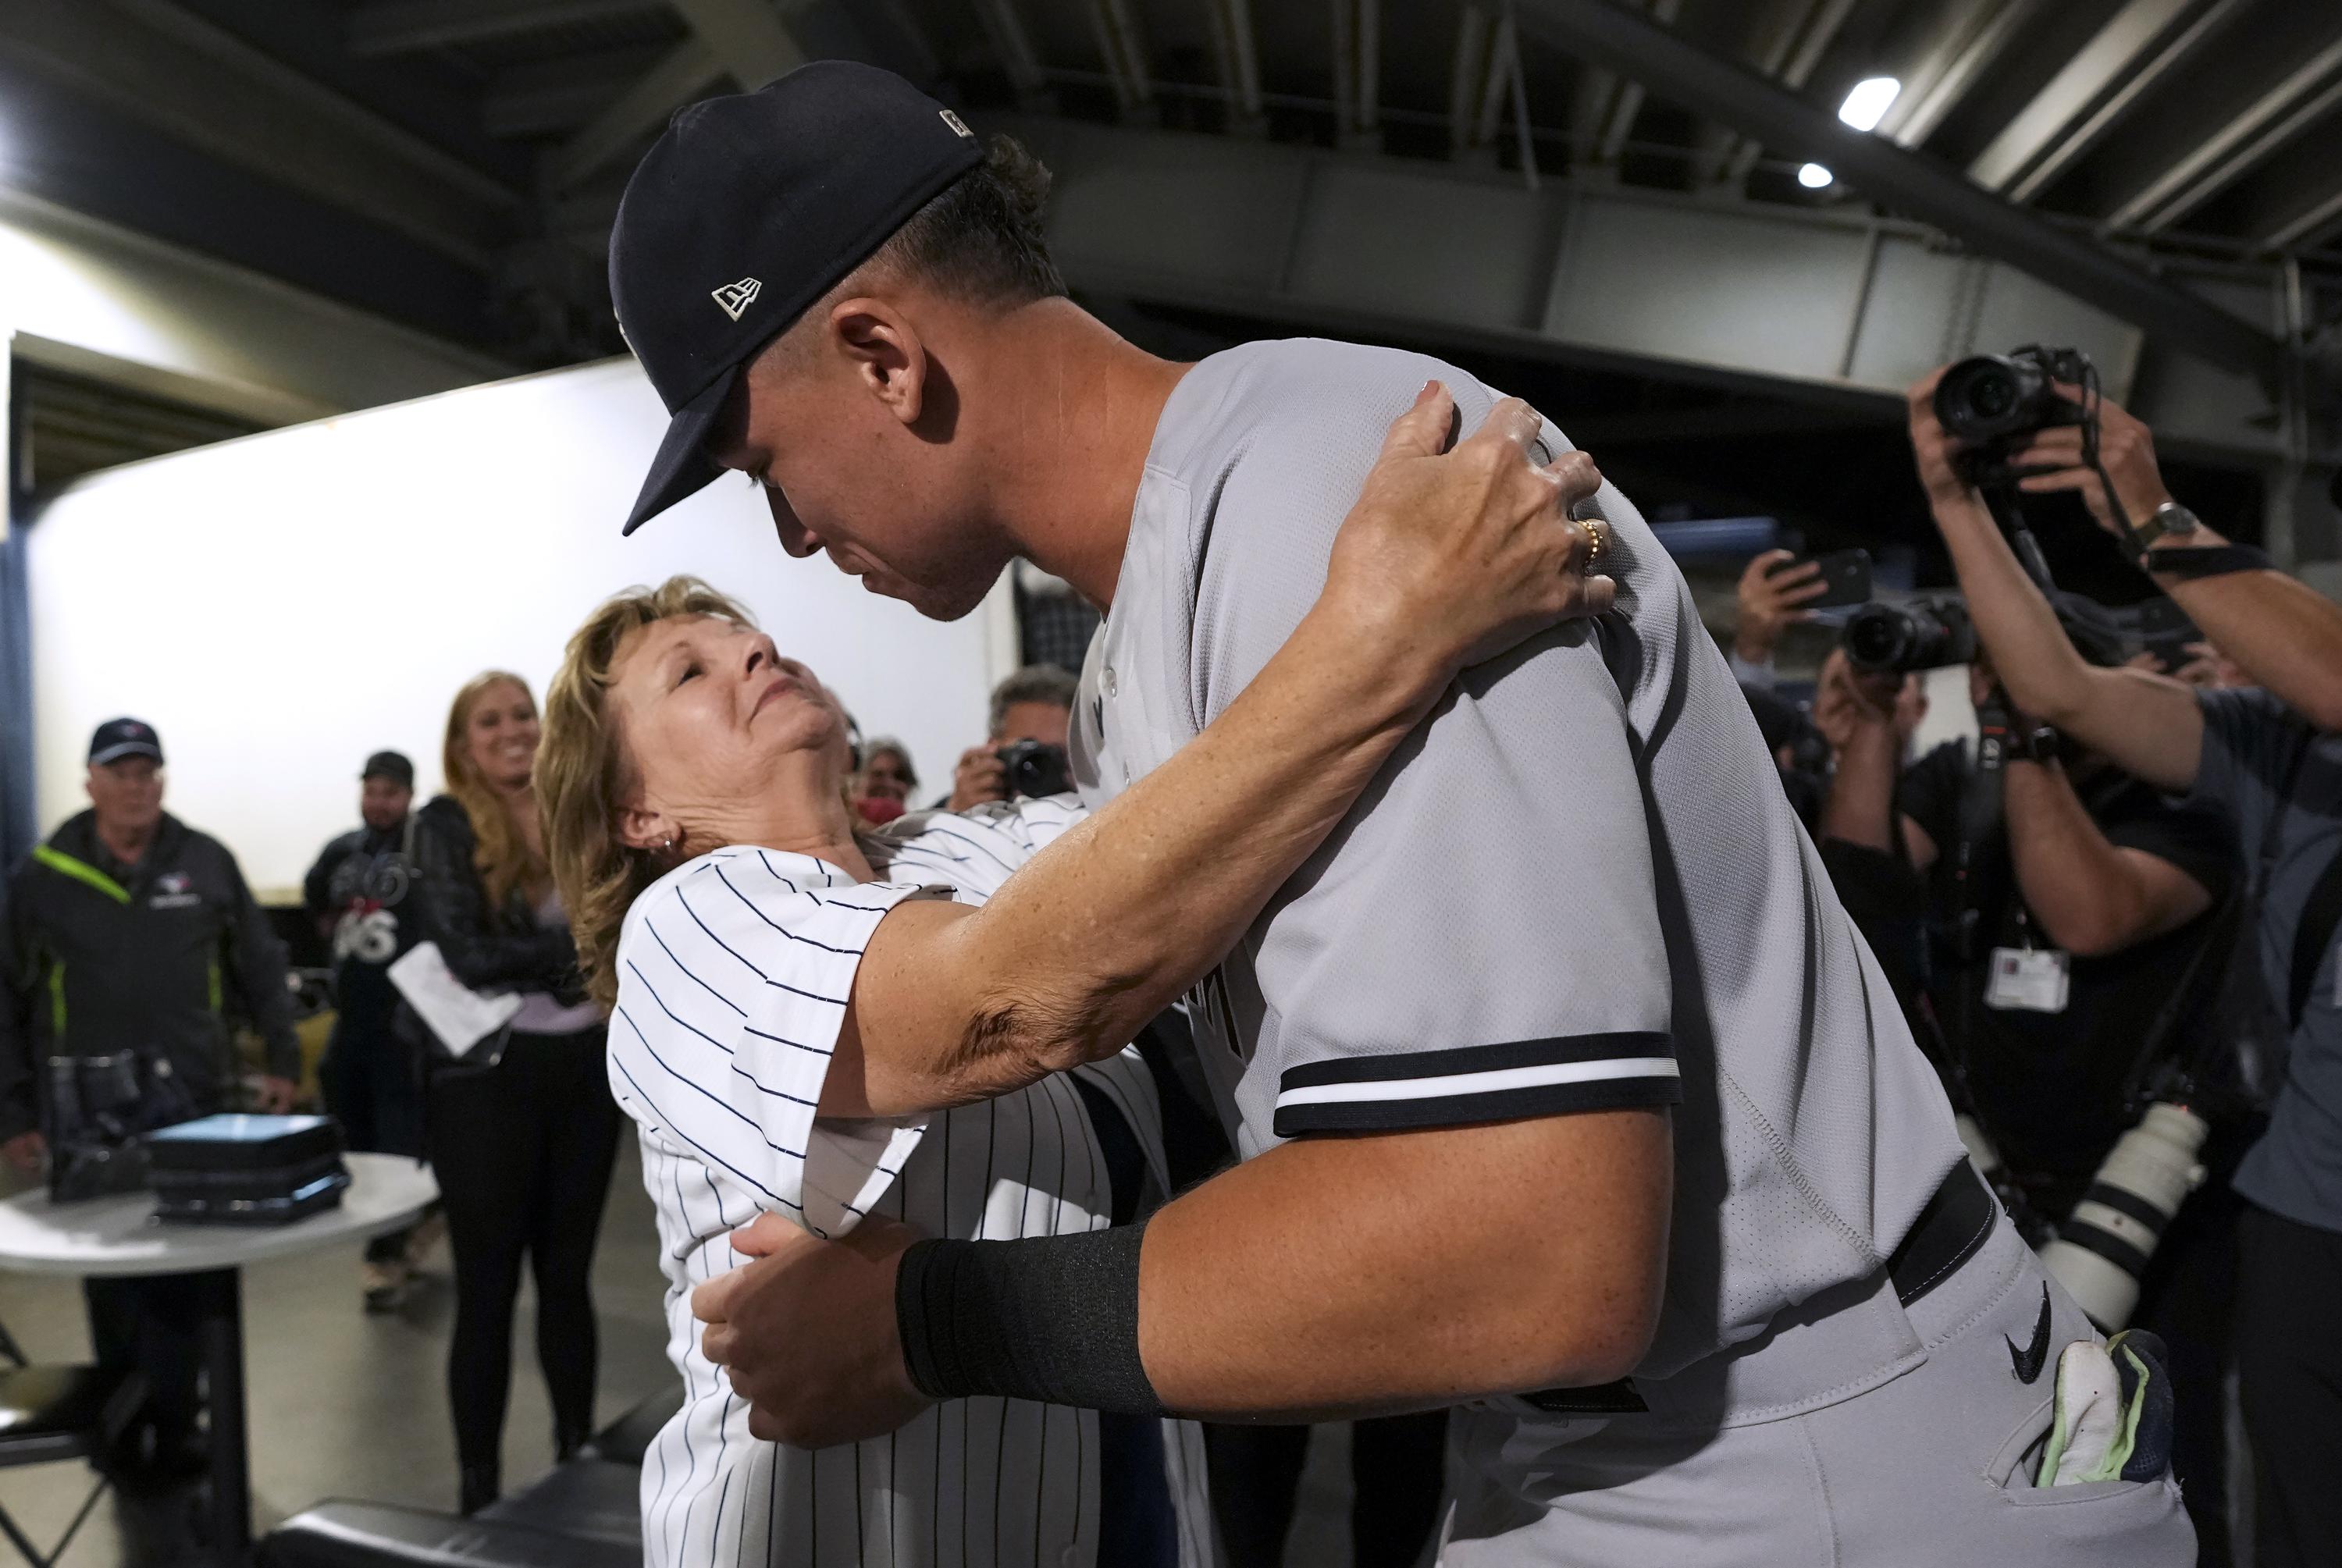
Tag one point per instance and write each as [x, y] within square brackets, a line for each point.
[1454, 556]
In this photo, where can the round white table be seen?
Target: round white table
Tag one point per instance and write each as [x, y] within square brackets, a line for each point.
[119, 1236]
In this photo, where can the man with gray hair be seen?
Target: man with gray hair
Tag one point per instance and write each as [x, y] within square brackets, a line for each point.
[1035, 705]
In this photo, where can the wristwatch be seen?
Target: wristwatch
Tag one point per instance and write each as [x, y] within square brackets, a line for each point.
[2034, 743]
[2169, 521]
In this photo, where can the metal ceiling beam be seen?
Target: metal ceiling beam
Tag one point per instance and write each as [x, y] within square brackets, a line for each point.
[560, 95]
[2293, 204]
[1727, 90]
[1627, 102]
[1815, 31]
[185, 27]
[1122, 46]
[747, 37]
[688, 72]
[1235, 60]
[220, 96]
[1468, 69]
[1935, 86]
[1357, 72]
[2299, 99]
[2140, 44]
[1013, 45]
[928, 65]
[2316, 219]
[411, 26]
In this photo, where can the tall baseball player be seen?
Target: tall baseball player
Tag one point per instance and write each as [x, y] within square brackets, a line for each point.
[1567, 1092]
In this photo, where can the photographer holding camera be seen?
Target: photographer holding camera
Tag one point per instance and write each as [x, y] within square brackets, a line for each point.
[1031, 712]
[2270, 759]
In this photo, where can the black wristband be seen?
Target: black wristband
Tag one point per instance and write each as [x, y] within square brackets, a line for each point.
[1048, 1318]
[2212, 560]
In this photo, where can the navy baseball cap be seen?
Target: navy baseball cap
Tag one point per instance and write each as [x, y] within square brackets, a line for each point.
[119, 738]
[748, 209]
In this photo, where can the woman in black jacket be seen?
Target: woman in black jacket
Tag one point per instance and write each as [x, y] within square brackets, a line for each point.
[523, 1149]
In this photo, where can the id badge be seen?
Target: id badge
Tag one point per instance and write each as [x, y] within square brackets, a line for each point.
[2027, 980]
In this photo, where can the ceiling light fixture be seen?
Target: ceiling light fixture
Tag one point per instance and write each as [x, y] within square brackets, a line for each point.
[1868, 101]
[1815, 178]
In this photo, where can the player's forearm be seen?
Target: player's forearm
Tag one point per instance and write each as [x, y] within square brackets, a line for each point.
[1110, 924]
[1861, 805]
[2278, 630]
[1359, 1276]
[2150, 726]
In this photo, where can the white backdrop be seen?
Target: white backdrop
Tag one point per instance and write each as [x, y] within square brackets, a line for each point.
[281, 605]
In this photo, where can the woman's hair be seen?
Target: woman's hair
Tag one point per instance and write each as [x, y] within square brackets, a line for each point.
[504, 859]
[583, 773]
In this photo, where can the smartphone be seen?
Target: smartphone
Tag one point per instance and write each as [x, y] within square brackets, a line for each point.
[1846, 577]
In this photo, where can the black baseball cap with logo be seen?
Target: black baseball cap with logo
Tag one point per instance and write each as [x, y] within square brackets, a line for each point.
[391, 765]
[748, 209]
[118, 738]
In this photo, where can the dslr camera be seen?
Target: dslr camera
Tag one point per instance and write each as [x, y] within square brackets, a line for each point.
[1897, 639]
[1992, 403]
[1035, 769]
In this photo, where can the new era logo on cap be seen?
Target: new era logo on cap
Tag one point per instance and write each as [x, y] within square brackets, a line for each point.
[736, 297]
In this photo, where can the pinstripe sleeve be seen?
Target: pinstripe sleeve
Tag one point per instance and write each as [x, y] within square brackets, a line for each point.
[734, 976]
[1034, 823]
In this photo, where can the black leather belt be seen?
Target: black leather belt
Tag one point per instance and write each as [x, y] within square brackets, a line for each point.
[1946, 1233]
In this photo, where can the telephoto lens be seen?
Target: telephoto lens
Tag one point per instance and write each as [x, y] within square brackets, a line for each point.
[1897, 639]
[2104, 1246]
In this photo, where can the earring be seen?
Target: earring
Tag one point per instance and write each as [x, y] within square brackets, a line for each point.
[667, 844]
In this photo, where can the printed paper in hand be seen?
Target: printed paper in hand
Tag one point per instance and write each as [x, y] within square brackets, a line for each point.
[455, 1012]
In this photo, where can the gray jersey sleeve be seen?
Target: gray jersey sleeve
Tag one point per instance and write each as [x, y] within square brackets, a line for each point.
[1480, 939]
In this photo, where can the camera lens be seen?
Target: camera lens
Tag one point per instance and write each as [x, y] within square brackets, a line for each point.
[1877, 636]
[1992, 396]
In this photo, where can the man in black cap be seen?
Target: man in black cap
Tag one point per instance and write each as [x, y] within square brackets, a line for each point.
[360, 891]
[1562, 1024]
[129, 931]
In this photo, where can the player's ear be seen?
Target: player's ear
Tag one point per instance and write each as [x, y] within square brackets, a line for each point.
[883, 349]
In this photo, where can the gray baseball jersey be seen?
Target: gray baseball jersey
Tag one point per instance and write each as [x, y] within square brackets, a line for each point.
[1577, 885]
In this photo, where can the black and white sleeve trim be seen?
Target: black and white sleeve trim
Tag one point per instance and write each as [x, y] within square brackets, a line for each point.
[1479, 1084]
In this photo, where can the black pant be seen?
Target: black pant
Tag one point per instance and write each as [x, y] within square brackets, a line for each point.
[1397, 1472]
[523, 1152]
[2188, 1298]
[372, 1083]
[152, 1324]
[2289, 1364]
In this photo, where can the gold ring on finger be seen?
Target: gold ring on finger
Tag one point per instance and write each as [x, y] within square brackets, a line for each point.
[1598, 544]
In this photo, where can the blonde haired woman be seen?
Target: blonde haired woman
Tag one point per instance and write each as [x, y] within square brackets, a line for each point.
[523, 1149]
[814, 1024]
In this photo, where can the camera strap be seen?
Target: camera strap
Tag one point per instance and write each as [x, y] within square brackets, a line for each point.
[2213, 561]
[2321, 916]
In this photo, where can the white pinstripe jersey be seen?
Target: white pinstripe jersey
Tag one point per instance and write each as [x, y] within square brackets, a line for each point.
[733, 971]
